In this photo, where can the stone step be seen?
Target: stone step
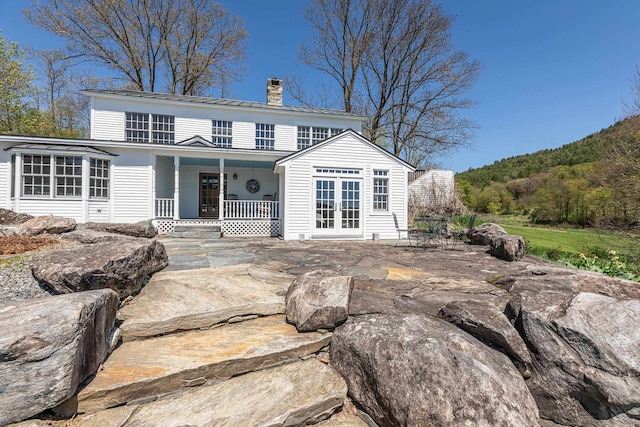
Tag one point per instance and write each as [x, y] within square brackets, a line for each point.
[208, 235]
[293, 394]
[192, 299]
[152, 367]
[196, 231]
[179, 228]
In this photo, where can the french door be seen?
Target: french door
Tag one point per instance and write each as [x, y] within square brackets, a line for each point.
[209, 199]
[337, 207]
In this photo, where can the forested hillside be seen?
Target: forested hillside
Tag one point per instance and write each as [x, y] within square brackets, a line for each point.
[591, 182]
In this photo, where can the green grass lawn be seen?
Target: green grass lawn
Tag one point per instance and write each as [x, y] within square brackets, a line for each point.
[568, 239]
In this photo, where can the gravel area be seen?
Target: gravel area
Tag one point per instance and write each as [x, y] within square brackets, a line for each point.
[17, 283]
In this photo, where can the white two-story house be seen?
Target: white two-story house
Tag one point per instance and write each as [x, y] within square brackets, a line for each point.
[252, 168]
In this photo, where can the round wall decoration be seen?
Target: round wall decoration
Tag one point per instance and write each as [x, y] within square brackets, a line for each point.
[253, 186]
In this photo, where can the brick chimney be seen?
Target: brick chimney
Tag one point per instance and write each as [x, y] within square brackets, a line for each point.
[274, 92]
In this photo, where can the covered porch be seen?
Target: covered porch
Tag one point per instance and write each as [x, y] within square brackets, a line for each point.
[240, 195]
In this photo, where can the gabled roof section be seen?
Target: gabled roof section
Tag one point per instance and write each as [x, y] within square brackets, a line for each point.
[337, 137]
[197, 141]
[219, 102]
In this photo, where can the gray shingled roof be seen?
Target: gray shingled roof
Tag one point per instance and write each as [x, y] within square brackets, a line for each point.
[218, 101]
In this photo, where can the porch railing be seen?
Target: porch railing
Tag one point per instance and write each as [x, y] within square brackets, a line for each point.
[233, 209]
[251, 209]
[164, 208]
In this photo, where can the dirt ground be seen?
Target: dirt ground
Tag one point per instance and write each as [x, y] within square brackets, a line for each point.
[13, 245]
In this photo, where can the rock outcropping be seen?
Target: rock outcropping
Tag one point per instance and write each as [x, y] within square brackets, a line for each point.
[120, 265]
[48, 347]
[418, 370]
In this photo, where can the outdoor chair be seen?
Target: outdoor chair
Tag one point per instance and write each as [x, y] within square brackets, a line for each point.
[461, 236]
[401, 230]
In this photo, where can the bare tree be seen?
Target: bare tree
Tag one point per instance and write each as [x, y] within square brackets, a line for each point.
[189, 41]
[394, 63]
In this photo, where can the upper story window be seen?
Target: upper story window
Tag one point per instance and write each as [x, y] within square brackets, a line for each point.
[380, 190]
[162, 128]
[137, 127]
[304, 137]
[308, 135]
[99, 178]
[265, 136]
[221, 133]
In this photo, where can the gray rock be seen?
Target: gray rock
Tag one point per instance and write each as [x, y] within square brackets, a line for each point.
[508, 248]
[10, 217]
[45, 224]
[484, 234]
[491, 326]
[48, 347]
[88, 236]
[585, 351]
[192, 299]
[154, 366]
[420, 370]
[120, 265]
[318, 300]
[272, 397]
[139, 229]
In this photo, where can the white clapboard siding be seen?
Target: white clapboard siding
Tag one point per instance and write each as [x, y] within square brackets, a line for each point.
[189, 127]
[434, 187]
[108, 120]
[66, 207]
[98, 211]
[132, 187]
[107, 125]
[5, 180]
[346, 152]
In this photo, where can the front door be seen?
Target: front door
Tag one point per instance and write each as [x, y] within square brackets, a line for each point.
[209, 198]
[337, 207]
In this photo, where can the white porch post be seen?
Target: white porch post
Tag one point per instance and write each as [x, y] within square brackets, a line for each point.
[18, 183]
[221, 192]
[85, 188]
[176, 187]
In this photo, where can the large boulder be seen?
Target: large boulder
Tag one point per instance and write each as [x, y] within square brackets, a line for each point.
[48, 347]
[318, 300]
[45, 224]
[585, 350]
[508, 248]
[420, 370]
[139, 229]
[89, 236]
[121, 265]
[8, 217]
[486, 233]
[489, 325]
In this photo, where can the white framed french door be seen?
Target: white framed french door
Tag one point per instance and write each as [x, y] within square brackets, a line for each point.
[337, 206]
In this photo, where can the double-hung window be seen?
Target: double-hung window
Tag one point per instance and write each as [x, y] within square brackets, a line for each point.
[68, 176]
[40, 172]
[319, 134]
[308, 135]
[221, 133]
[99, 178]
[161, 131]
[137, 127]
[265, 136]
[380, 190]
[36, 175]
[304, 137]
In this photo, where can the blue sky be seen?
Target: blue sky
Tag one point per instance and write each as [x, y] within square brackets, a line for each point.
[553, 71]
